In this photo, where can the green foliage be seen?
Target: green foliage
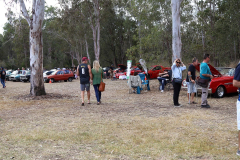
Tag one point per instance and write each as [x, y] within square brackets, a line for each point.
[130, 29]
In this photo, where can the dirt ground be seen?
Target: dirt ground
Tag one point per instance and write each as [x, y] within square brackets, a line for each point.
[124, 126]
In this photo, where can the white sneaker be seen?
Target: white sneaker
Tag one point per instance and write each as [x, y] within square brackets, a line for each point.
[179, 105]
[162, 91]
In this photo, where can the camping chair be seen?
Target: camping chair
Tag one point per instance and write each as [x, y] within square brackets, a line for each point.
[144, 82]
[134, 82]
[168, 85]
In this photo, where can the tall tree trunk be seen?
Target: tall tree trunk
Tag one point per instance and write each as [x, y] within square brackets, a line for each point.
[87, 49]
[176, 30]
[25, 56]
[95, 26]
[36, 45]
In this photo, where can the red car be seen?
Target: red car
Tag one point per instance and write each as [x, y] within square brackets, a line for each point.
[60, 75]
[222, 82]
[154, 71]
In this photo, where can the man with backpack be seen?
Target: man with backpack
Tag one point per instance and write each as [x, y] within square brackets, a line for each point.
[3, 77]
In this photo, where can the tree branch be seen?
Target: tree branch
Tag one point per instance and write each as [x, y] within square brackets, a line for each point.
[24, 12]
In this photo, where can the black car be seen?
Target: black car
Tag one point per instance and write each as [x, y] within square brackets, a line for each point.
[26, 77]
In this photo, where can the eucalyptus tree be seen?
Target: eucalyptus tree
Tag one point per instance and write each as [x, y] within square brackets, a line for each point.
[35, 20]
[176, 29]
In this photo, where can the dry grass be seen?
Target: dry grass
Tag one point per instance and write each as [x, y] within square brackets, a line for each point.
[125, 126]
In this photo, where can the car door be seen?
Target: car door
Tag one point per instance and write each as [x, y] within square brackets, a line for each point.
[156, 71]
[66, 75]
[58, 76]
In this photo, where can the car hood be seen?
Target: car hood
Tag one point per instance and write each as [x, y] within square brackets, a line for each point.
[122, 66]
[212, 69]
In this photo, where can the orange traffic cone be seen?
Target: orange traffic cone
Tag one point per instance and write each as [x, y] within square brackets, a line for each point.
[50, 81]
[145, 78]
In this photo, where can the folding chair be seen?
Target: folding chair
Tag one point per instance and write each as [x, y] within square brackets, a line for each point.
[134, 82]
[144, 82]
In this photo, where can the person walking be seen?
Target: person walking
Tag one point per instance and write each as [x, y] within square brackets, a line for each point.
[3, 77]
[97, 75]
[85, 74]
[236, 83]
[177, 69]
[191, 77]
[205, 74]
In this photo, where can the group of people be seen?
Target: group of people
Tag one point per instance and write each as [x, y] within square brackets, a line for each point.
[89, 76]
[176, 75]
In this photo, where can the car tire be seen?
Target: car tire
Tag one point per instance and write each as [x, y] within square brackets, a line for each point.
[70, 79]
[220, 92]
[65, 80]
[52, 80]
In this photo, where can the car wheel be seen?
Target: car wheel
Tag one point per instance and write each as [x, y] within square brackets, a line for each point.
[70, 79]
[52, 80]
[220, 92]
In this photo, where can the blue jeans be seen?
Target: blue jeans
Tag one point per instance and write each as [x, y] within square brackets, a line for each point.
[162, 81]
[3, 82]
[97, 92]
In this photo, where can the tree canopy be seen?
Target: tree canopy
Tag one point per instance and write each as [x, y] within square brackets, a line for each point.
[130, 29]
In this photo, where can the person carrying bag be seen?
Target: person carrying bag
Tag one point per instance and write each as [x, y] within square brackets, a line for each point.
[98, 85]
[177, 69]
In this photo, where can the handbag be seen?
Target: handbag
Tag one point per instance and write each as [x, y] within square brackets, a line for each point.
[202, 82]
[102, 85]
[177, 80]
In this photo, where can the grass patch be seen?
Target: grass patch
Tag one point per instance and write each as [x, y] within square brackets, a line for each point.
[133, 127]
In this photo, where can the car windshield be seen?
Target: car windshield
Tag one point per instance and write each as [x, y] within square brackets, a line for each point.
[225, 71]
[28, 72]
[15, 72]
[53, 72]
[48, 73]
[151, 67]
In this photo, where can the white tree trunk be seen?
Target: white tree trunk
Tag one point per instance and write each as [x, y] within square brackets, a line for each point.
[95, 26]
[176, 29]
[36, 45]
[87, 49]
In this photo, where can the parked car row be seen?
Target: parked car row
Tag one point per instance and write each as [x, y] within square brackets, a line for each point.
[51, 75]
[153, 72]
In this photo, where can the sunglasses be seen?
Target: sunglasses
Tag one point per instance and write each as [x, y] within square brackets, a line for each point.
[178, 62]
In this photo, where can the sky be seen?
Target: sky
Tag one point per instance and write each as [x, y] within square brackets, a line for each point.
[4, 8]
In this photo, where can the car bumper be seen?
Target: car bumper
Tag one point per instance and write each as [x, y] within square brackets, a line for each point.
[12, 78]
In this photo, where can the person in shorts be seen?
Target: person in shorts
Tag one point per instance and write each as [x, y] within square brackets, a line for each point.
[85, 73]
[191, 77]
[236, 83]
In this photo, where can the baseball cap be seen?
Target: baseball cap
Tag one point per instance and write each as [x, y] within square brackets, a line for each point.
[84, 59]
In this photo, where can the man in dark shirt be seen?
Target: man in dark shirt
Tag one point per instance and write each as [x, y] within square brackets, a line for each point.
[3, 77]
[236, 83]
[191, 77]
[85, 73]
